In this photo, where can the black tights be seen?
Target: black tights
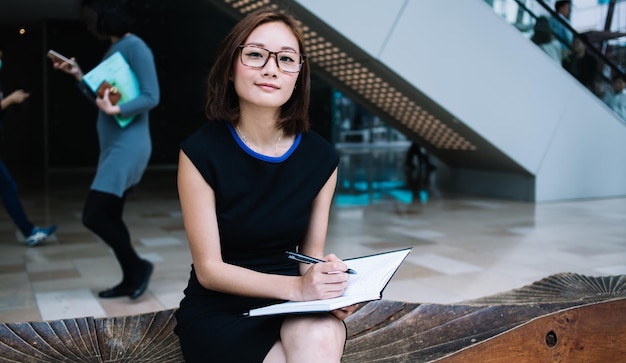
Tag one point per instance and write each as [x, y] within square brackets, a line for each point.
[102, 215]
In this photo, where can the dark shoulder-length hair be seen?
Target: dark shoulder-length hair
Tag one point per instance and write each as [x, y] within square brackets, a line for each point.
[223, 101]
[112, 18]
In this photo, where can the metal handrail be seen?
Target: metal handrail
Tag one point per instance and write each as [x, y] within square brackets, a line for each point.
[588, 44]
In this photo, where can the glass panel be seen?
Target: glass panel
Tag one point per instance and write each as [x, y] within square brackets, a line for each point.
[373, 158]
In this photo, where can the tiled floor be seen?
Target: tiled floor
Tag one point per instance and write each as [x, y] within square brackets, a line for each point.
[464, 247]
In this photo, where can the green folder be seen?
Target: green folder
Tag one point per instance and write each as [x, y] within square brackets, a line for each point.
[118, 73]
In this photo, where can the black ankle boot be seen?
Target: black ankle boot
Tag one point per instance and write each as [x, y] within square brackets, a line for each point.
[117, 291]
[142, 284]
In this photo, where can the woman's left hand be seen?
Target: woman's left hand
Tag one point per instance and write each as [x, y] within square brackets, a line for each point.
[105, 104]
[345, 312]
[17, 96]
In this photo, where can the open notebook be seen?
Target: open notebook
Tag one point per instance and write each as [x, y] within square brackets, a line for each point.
[373, 273]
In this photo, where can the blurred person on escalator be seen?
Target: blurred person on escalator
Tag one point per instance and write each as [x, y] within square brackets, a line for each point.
[563, 9]
[583, 65]
[545, 39]
[615, 96]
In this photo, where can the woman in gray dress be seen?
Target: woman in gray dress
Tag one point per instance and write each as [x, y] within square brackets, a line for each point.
[124, 151]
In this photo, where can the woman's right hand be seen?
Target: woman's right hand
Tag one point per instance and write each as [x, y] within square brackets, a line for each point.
[324, 280]
[73, 70]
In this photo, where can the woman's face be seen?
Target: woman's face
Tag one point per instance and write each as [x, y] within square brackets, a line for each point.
[268, 86]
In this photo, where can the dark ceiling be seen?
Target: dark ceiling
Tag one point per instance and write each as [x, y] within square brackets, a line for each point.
[18, 11]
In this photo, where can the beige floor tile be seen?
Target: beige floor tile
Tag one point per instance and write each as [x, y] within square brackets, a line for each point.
[125, 306]
[18, 315]
[64, 304]
[16, 291]
[463, 248]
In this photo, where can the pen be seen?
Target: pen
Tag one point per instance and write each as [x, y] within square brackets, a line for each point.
[306, 259]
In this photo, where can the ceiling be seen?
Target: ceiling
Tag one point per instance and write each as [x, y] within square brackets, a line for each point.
[19, 11]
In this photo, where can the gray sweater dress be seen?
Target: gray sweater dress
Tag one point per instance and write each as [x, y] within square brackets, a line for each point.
[125, 152]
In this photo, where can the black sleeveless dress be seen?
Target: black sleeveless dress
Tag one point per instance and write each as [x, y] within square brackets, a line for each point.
[263, 209]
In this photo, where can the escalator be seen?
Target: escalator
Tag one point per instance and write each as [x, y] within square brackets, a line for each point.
[501, 115]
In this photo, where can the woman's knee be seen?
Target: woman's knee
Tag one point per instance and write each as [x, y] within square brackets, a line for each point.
[100, 208]
[331, 330]
[322, 331]
[90, 217]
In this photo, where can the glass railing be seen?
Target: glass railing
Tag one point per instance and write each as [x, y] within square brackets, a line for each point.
[595, 57]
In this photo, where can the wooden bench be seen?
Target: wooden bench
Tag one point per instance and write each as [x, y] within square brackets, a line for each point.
[562, 318]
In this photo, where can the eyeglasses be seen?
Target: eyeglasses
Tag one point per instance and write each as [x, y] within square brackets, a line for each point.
[257, 57]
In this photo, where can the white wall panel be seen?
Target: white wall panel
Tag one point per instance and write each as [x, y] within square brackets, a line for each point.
[586, 158]
[483, 71]
[367, 23]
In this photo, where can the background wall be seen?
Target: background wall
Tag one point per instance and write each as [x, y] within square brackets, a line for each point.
[485, 73]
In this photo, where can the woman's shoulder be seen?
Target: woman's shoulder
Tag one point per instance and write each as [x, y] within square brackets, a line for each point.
[316, 140]
[317, 145]
[134, 40]
[131, 45]
[209, 131]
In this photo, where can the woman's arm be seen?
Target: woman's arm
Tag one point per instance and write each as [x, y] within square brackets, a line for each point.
[15, 97]
[197, 201]
[315, 239]
[75, 71]
[141, 61]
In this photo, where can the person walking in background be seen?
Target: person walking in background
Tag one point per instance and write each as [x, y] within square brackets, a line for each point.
[615, 97]
[582, 65]
[255, 182]
[563, 8]
[8, 188]
[545, 40]
[418, 169]
[124, 152]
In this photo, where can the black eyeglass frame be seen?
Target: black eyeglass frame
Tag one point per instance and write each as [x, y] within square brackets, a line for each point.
[302, 57]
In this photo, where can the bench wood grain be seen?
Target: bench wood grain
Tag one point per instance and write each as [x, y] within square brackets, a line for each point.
[562, 318]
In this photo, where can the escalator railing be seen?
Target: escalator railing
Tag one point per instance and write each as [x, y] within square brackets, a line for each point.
[526, 14]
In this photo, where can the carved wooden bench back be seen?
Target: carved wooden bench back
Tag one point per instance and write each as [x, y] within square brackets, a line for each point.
[564, 317]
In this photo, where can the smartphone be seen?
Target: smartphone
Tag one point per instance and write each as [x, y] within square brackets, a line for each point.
[56, 56]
